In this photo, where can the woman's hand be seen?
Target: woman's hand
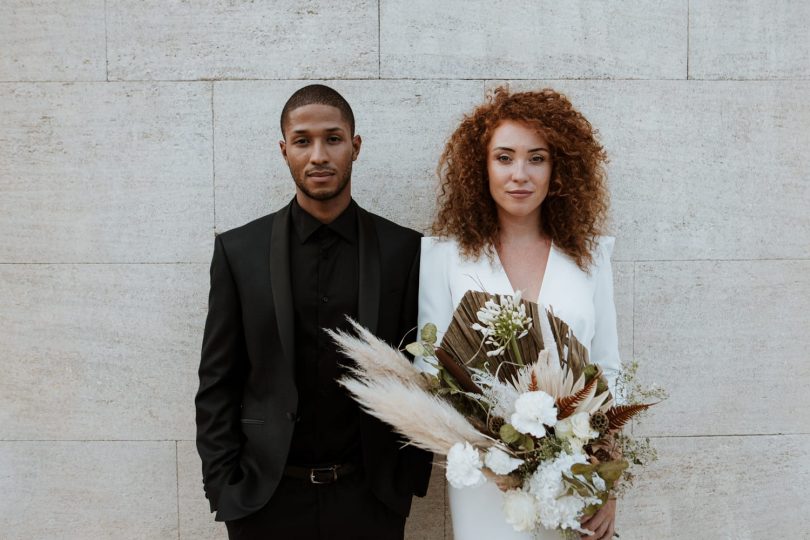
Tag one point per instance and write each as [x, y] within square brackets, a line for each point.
[504, 483]
[602, 522]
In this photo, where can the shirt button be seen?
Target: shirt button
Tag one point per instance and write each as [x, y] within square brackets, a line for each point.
[325, 299]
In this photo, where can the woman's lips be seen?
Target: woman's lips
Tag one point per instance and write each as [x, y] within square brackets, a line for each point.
[520, 194]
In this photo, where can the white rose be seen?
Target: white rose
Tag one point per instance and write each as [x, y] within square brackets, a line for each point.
[581, 424]
[500, 462]
[533, 410]
[520, 509]
[464, 466]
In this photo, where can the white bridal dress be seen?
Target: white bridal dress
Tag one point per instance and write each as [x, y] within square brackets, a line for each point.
[584, 300]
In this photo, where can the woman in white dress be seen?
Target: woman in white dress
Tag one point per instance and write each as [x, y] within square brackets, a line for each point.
[523, 201]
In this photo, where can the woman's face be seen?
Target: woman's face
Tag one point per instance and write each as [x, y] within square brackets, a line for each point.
[519, 169]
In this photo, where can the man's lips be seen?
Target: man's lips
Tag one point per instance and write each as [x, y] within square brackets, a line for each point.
[321, 174]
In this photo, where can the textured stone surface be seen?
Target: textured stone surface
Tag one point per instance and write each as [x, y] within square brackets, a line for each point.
[527, 39]
[242, 39]
[196, 520]
[623, 298]
[733, 39]
[403, 125]
[702, 170]
[427, 519]
[729, 342]
[52, 40]
[99, 172]
[88, 490]
[744, 488]
[100, 351]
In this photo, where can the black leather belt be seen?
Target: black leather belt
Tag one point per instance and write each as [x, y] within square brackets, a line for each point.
[321, 475]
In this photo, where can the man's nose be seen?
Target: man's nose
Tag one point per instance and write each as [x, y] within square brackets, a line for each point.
[319, 154]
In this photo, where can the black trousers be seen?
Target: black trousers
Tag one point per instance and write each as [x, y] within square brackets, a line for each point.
[300, 510]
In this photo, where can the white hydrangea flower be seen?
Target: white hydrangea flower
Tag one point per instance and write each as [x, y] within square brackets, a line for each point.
[464, 466]
[500, 462]
[598, 482]
[520, 510]
[557, 510]
[533, 411]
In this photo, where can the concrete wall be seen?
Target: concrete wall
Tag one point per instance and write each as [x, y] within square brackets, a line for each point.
[130, 132]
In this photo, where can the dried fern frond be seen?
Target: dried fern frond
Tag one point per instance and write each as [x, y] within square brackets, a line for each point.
[619, 415]
[429, 422]
[567, 405]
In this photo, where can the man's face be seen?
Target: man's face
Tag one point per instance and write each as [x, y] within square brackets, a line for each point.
[319, 149]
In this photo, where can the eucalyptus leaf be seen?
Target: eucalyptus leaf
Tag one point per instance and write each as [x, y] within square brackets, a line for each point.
[509, 434]
[585, 469]
[416, 349]
[429, 333]
[611, 471]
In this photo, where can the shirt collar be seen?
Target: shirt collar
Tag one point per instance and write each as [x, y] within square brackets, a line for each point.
[305, 225]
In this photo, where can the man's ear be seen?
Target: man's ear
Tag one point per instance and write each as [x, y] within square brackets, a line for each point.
[356, 143]
[282, 144]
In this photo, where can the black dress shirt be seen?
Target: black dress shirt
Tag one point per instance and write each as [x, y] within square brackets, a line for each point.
[324, 280]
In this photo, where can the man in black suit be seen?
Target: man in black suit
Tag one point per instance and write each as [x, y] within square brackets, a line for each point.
[286, 453]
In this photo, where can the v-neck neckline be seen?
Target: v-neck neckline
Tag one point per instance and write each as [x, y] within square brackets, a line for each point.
[542, 278]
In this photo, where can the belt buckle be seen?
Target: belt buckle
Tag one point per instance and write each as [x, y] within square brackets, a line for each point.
[332, 471]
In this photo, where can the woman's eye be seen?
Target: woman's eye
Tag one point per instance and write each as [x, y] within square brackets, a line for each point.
[538, 159]
[503, 159]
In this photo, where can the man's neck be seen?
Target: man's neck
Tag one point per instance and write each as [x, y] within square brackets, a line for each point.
[324, 211]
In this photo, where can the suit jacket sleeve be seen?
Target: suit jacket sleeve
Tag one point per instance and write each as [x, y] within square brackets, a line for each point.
[222, 373]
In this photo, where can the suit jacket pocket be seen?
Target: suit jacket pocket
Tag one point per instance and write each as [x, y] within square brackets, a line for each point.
[252, 421]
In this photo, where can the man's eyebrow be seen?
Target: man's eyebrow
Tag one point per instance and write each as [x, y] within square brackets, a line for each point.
[330, 130]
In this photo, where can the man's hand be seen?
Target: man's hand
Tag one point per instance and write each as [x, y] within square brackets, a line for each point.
[601, 523]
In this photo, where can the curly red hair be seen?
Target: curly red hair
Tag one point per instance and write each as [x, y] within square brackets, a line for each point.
[574, 211]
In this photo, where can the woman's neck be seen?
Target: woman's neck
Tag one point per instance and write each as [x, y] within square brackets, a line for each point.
[519, 229]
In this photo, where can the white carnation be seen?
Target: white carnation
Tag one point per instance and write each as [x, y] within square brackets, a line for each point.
[581, 425]
[464, 466]
[500, 462]
[533, 410]
[520, 510]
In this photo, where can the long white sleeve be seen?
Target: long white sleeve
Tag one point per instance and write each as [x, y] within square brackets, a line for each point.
[605, 343]
[435, 300]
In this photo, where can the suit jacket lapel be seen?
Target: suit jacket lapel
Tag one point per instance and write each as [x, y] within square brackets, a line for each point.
[280, 281]
[368, 301]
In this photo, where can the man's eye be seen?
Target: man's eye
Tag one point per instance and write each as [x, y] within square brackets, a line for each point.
[300, 141]
[334, 139]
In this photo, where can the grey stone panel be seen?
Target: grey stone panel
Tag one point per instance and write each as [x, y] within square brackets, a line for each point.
[720, 487]
[702, 169]
[99, 352]
[623, 273]
[403, 125]
[82, 490]
[176, 40]
[101, 172]
[730, 39]
[528, 39]
[196, 520]
[52, 40]
[728, 340]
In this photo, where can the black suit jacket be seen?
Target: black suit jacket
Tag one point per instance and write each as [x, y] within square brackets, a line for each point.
[247, 399]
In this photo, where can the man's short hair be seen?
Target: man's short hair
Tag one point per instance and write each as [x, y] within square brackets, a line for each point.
[317, 94]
